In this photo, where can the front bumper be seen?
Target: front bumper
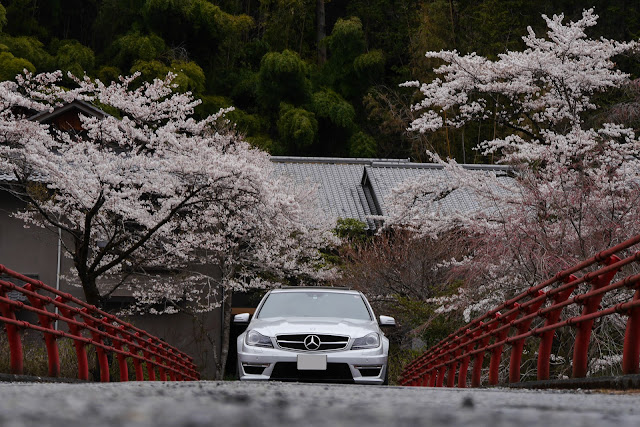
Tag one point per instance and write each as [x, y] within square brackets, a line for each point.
[358, 366]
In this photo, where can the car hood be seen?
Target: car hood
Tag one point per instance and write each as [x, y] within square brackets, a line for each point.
[337, 326]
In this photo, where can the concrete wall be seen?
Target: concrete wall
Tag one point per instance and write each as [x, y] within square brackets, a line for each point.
[30, 251]
[188, 334]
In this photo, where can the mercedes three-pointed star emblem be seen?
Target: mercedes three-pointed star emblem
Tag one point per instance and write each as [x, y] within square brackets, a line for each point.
[312, 342]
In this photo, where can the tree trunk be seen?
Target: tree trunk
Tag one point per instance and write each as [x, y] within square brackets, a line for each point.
[226, 332]
[321, 32]
[90, 289]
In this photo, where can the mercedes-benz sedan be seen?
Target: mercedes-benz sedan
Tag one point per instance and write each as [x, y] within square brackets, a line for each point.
[314, 334]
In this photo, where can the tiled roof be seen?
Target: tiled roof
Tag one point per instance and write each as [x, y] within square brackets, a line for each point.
[359, 188]
[340, 193]
[383, 178]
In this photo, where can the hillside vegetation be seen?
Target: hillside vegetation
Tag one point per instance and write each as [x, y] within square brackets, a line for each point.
[314, 78]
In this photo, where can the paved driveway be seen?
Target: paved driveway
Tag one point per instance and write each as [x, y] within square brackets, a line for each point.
[211, 404]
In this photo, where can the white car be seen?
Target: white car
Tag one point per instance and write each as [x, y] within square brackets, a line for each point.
[314, 334]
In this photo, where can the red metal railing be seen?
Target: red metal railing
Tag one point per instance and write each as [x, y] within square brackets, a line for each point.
[106, 333]
[509, 325]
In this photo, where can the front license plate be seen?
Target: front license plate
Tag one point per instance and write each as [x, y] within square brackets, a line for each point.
[312, 362]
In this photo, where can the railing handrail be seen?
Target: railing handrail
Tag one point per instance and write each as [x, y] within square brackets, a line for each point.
[101, 326]
[472, 340]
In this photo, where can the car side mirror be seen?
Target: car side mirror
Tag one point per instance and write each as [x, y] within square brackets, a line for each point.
[387, 321]
[241, 318]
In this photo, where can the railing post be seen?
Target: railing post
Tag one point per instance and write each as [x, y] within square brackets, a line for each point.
[75, 330]
[134, 347]
[433, 379]
[583, 336]
[424, 382]
[452, 368]
[117, 344]
[464, 365]
[631, 350]
[103, 360]
[50, 340]
[518, 346]
[151, 373]
[546, 340]
[496, 352]
[172, 364]
[441, 372]
[476, 375]
[161, 362]
[13, 335]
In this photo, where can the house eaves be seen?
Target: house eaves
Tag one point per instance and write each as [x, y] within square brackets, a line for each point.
[82, 106]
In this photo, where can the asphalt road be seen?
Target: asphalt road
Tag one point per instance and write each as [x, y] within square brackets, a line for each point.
[211, 404]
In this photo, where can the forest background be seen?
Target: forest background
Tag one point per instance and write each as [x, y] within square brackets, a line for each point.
[309, 78]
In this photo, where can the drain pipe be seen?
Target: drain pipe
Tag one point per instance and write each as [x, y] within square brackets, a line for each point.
[58, 272]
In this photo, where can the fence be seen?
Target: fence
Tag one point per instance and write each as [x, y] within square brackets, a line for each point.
[106, 333]
[509, 325]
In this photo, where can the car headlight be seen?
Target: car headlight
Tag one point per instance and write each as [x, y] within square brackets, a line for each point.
[256, 339]
[368, 341]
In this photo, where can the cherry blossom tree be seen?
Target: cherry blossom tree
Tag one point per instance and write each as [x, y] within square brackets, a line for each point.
[180, 211]
[574, 189]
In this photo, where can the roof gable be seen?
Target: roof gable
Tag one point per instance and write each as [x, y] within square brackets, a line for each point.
[67, 117]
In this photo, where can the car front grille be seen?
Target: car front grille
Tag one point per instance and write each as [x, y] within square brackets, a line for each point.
[327, 342]
[288, 371]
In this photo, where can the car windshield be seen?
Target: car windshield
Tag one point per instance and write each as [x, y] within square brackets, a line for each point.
[314, 304]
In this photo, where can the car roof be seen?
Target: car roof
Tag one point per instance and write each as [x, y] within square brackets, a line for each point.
[314, 289]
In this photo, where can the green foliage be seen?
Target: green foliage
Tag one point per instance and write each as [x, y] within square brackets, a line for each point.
[362, 145]
[289, 24]
[283, 78]
[35, 356]
[370, 66]
[189, 76]
[351, 229]
[167, 17]
[297, 128]
[248, 124]
[331, 106]
[259, 54]
[108, 74]
[149, 70]
[206, 18]
[29, 48]
[3, 17]
[346, 41]
[264, 142]
[400, 357]
[74, 57]
[10, 66]
[245, 88]
[114, 18]
[132, 47]
[211, 104]
[21, 19]
[191, 21]
[349, 69]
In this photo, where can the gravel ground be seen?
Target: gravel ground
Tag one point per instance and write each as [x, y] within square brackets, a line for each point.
[209, 403]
